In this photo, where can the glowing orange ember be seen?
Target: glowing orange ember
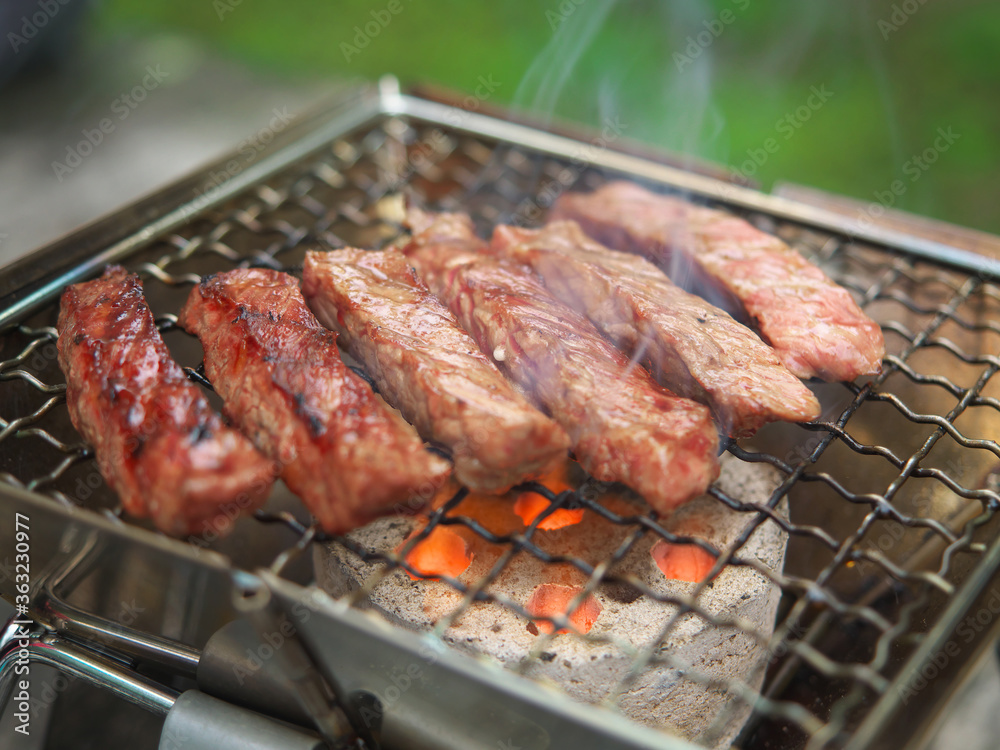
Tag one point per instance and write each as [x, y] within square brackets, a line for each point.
[682, 562]
[442, 553]
[552, 600]
[530, 505]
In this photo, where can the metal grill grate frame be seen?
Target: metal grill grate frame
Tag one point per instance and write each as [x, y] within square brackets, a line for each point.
[935, 305]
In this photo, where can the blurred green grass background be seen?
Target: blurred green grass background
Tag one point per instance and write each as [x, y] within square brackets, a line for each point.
[897, 71]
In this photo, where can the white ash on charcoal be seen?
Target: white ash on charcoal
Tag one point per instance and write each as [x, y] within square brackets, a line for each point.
[668, 693]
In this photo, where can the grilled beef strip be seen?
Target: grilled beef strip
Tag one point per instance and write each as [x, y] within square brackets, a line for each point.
[623, 426]
[814, 325]
[158, 443]
[342, 449]
[694, 348]
[428, 367]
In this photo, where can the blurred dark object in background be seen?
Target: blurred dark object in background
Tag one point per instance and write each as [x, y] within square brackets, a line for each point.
[37, 33]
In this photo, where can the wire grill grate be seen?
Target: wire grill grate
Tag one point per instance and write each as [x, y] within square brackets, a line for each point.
[891, 493]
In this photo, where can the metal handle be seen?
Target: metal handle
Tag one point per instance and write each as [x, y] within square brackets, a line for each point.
[194, 721]
[55, 652]
[235, 665]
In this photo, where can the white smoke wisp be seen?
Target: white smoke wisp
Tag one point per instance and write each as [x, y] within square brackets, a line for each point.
[539, 91]
[543, 83]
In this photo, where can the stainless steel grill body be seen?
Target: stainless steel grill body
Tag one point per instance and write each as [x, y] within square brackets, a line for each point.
[893, 548]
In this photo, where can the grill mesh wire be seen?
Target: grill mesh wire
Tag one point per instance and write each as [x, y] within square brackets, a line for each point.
[890, 490]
